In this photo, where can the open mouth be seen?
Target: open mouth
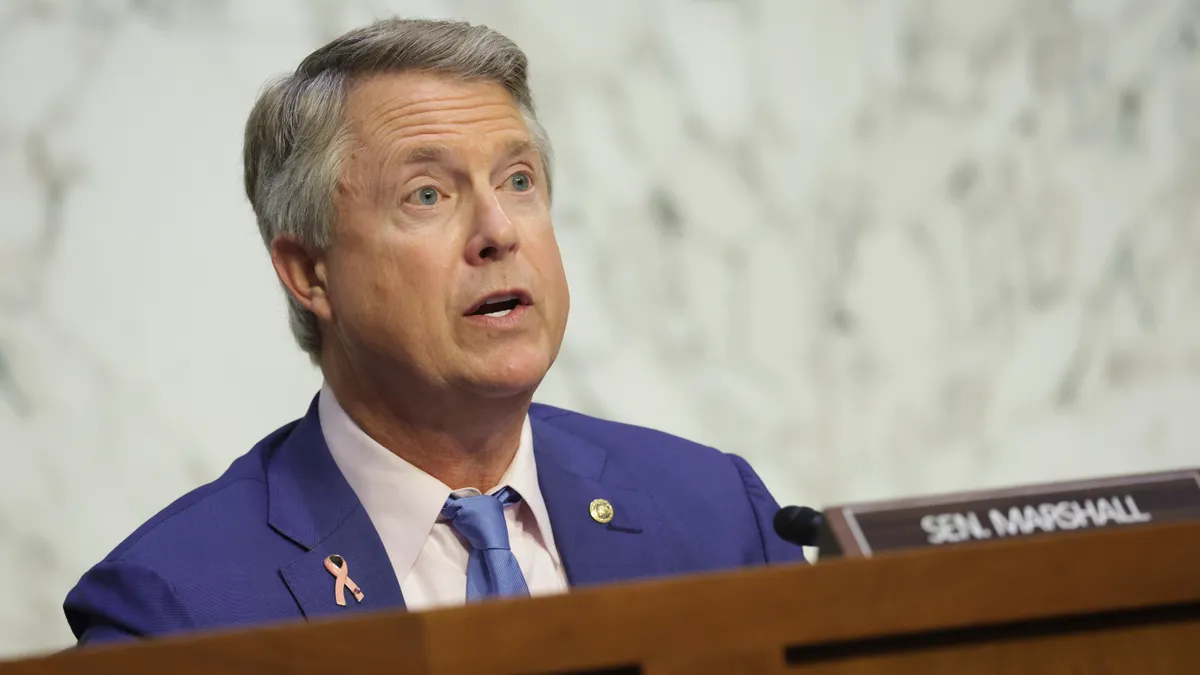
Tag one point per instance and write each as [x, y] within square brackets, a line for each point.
[499, 305]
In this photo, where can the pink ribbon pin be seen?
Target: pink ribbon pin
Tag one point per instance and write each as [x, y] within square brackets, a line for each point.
[340, 569]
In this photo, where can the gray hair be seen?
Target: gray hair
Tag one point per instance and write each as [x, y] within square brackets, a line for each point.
[297, 137]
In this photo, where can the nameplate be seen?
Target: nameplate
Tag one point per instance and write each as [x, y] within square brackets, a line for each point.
[862, 530]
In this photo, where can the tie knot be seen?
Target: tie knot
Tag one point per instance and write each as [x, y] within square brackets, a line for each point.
[481, 518]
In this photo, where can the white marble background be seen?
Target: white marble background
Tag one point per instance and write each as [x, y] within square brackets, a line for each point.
[879, 248]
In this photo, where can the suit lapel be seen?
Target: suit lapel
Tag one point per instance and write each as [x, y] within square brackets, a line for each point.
[369, 567]
[312, 504]
[571, 475]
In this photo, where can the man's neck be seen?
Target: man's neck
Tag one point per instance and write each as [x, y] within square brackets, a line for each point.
[463, 441]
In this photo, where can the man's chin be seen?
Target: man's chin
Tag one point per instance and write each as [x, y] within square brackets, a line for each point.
[509, 378]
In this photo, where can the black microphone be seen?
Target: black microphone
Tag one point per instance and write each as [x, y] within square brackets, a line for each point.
[799, 525]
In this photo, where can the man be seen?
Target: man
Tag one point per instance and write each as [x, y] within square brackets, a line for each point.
[401, 182]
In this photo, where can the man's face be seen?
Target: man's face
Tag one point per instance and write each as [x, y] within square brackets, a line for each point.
[444, 262]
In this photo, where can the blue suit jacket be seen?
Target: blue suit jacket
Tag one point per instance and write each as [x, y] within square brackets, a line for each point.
[249, 547]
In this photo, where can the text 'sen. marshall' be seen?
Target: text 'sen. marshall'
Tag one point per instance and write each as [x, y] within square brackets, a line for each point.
[950, 528]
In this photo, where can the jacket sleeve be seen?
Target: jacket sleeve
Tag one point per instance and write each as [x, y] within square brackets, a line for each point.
[775, 550]
[119, 600]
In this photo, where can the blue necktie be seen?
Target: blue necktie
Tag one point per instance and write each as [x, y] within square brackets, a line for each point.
[492, 568]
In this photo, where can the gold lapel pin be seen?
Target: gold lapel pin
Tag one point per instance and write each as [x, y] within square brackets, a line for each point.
[340, 569]
[601, 510]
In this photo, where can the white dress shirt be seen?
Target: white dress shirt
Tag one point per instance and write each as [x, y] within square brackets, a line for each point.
[405, 505]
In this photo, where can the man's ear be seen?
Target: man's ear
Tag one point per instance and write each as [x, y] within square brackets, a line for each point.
[302, 271]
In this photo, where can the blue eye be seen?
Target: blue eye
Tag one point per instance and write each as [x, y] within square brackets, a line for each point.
[521, 181]
[426, 196]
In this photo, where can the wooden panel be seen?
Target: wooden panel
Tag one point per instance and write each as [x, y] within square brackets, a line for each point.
[1141, 650]
[754, 662]
[392, 646]
[720, 623]
[850, 599]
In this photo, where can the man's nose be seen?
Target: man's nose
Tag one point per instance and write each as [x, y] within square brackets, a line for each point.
[495, 237]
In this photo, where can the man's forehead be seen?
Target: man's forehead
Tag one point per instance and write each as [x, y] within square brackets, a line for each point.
[416, 103]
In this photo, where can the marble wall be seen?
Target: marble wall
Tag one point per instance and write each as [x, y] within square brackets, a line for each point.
[878, 247]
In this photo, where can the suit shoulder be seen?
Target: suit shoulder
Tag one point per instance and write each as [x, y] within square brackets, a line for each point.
[205, 512]
[691, 487]
[628, 440]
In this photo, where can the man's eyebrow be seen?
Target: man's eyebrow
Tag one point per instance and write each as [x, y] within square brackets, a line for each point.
[432, 154]
[519, 147]
[423, 154]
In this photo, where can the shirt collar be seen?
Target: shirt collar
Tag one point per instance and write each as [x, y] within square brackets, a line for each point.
[403, 501]
[522, 476]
